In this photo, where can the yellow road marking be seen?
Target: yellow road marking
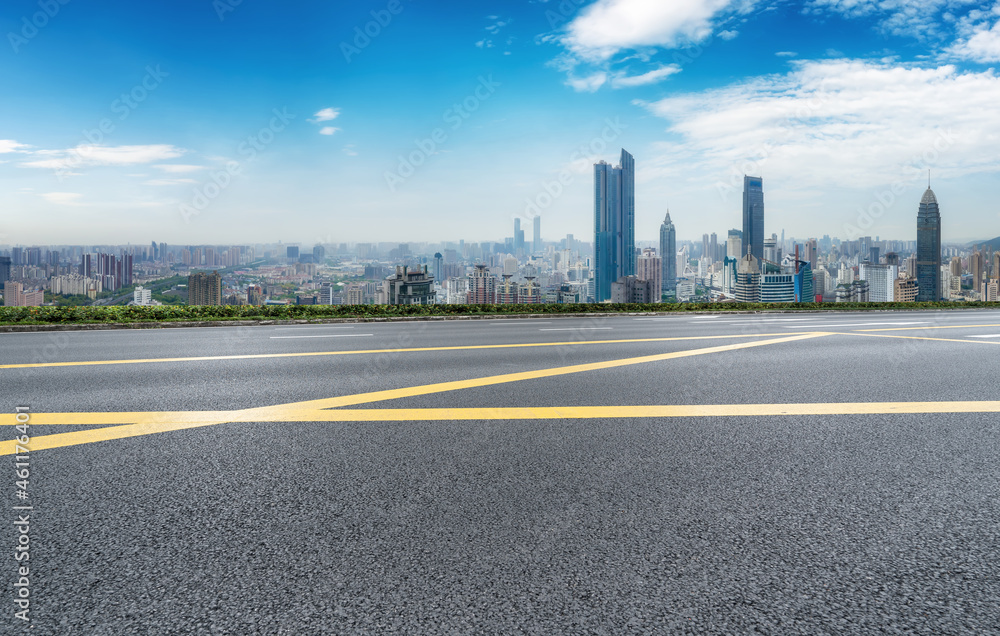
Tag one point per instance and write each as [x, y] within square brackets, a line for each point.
[602, 412]
[156, 422]
[392, 394]
[177, 421]
[257, 356]
[881, 335]
[922, 328]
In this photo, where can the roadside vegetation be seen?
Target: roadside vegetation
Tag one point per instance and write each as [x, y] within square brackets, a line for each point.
[178, 313]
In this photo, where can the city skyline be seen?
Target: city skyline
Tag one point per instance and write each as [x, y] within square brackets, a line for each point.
[340, 123]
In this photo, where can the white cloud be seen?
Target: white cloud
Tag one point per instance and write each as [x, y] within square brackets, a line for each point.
[786, 54]
[587, 84]
[87, 155]
[652, 77]
[915, 18]
[328, 130]
[169, 182]
[836, 124]
[350, 151]
[327, 114]
[979, 40]
[9, 145]
[728, 34]
[177, 168]
[609, 26]
[62, 198]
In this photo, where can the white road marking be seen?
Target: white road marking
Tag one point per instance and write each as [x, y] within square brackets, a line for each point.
[856, 324]
[579, 329]
[992, 335]
[314, 327]
[327, 335]
[518, 322]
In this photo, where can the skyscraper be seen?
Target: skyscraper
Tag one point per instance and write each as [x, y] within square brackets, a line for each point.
[668, 255]
[614, 224]
[928, 248]
[518, 236]
[753, 216]
[536, 243]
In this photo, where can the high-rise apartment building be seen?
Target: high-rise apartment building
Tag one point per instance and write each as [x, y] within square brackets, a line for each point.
[976, 267]
[482, 287]
[928, 248]
[748, 279]
[881, 281]
[142, 296]
[205, 288]
[614, 224]
[15, 296]
[649, 267]
[668, 255]
[753, 216]
[4, 269]
[734, 245]
[536, 243]
[409, 287]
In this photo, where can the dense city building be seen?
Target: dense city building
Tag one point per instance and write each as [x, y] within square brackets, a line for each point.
[668, 255]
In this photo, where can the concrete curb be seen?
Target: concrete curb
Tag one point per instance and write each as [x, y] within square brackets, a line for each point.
[361, 319]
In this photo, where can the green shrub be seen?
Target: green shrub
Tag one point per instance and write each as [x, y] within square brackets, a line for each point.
[133, 314]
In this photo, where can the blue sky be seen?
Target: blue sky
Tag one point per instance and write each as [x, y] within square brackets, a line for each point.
[246, 121]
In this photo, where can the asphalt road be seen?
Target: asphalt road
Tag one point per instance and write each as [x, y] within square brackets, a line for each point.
[776, 474]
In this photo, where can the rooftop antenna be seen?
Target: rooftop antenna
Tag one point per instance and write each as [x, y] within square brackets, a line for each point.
[928, 178]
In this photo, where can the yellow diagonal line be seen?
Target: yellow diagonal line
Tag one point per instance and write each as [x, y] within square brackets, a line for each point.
[611, 412]
[885, 335]
[178, 422]
[156, 422]
[922, 328]
[392, 394]
[305, 354]
[144, 424]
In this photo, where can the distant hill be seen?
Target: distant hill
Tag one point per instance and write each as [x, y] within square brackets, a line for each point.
[994, 243]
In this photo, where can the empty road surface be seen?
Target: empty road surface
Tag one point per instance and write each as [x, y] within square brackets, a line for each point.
[816, 473]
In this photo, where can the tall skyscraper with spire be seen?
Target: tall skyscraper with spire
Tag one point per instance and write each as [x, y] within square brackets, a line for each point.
[928, 248]
[753, 216]
[614, 224]
[668, 255]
